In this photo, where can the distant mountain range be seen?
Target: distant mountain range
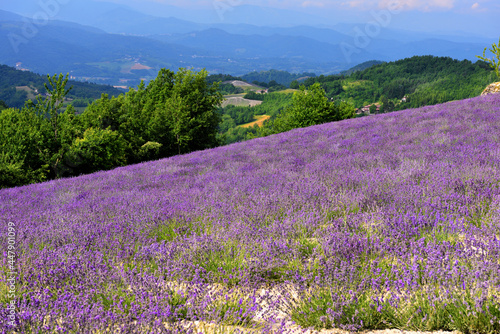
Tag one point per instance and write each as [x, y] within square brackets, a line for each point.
[114, 44]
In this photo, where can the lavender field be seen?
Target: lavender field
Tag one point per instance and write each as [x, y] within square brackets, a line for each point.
[390, 221]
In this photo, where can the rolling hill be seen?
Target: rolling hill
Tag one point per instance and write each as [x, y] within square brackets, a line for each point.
[421, 80]
[393, 218]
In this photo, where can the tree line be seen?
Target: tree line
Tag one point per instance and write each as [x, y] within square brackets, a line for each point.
[175, 113]
[274, 77]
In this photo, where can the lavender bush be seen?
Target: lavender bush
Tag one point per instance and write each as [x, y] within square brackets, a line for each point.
[379, 222]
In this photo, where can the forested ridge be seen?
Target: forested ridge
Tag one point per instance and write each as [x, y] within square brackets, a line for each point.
[281, 77]
[423, 80]
[10, 78]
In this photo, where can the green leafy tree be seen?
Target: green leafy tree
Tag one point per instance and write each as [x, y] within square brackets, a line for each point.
[227, 123]
[333, 88]
[36, 138]
[57, 128]
[251, 95]
[105, 113]
[345, 111]
[97, 150]
[12, 172]
[387, 105]
[176, 111]
[173, 115]
[150, 150]
[311, 107]
[184, 109]
[21, 160]
[52, 104]
[495, 60]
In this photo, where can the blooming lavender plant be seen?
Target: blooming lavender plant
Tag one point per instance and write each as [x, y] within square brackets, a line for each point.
[378, 222]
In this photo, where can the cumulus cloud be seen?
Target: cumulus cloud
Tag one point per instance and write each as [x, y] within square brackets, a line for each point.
[475, 6]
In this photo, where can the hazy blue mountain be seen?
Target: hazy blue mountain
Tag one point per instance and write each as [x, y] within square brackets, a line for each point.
[324, 35]
[264, 16]
[405, 36]
[90, 52]
[85, 52]
[6, 16]
[9, 16]
[78, 11]
[442, 48]
[124, 20]
[251, 46]
[222, 12]
[295, 45]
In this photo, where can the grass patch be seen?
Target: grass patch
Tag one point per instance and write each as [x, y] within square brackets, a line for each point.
[4, 294]
[287, 91]
[234, 310]
[225, 265]
[426, 310]
[117, 300]
[480, 215]
[176, 229]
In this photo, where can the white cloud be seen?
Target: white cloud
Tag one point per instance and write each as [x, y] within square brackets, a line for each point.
[475, 6]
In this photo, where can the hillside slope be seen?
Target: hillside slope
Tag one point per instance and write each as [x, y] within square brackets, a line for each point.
[423, 80]
[367, 223]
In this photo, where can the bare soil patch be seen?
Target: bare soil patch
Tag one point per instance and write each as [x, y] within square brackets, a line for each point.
[240, 102]
[259, 121]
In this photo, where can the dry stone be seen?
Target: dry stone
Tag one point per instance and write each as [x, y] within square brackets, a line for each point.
[494, 88]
